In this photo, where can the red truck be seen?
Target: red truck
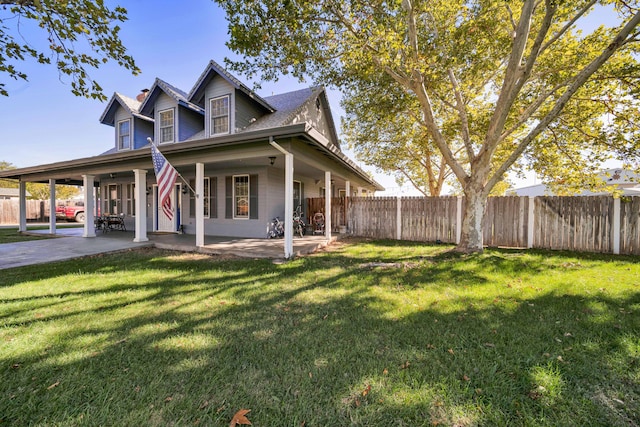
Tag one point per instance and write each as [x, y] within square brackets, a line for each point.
[71, 212]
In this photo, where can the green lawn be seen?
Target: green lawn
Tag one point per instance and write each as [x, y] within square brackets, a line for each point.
[153, 338]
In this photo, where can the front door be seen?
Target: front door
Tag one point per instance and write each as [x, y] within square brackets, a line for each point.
[167, 218]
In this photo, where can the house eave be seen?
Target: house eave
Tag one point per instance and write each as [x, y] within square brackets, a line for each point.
[117, 161]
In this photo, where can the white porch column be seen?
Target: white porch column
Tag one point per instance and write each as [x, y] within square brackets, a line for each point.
[327, 204]
[89, 200]
[140, 178]
[288, 199]
[22, 200]
[288, 205]
[347, 188]
[52, 206]
[199, 204]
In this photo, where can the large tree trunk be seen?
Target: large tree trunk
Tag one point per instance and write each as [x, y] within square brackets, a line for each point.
[471, 239]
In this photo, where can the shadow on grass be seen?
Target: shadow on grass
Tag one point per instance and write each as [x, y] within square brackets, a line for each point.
[321, 340]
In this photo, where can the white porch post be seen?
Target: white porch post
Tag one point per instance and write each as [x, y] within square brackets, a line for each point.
[199, 204]
[89, 223]
[52, 206]
[327, 204]
[22, 200]
[288, 199]
[347, 188]
[288, 205]
[140, 178]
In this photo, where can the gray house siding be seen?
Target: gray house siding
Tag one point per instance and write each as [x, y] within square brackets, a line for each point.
[310, 113]
[165, 102]
[142, 130]
[222, 226]
[247, 111]
[218, 87]
[190, 123]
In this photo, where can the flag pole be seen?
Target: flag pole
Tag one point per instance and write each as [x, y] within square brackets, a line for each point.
[181, 177]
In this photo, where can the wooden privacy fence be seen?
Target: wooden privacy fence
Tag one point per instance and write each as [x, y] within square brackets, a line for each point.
[37, 210]
[589, 224]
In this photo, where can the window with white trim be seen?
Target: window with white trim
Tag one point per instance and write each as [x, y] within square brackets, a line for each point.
[209, 199]
[124, 134]
[131, 199]
[241, 196]
[166, 125]
[219, 110]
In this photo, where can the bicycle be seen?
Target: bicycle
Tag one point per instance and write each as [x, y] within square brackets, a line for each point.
[299, 227]
[275, 228]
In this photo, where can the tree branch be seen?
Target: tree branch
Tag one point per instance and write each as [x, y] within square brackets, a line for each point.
[568, 25]
[578, 81]
[462, 112]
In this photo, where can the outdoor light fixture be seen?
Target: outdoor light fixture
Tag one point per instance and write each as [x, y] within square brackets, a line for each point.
[272, 160]
[112, 175]
[148, 190]
[184, 190]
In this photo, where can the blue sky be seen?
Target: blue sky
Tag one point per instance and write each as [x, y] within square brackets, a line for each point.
[42, 122]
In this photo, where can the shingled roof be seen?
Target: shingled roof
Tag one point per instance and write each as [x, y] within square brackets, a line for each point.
[129, 104]
[180, 96]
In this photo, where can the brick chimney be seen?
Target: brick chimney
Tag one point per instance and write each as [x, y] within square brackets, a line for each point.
[142, 95]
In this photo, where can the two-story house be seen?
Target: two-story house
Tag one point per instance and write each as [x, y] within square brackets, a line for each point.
[251, 157]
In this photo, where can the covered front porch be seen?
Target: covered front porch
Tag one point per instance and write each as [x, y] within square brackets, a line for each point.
[228, 186]
[70, 243]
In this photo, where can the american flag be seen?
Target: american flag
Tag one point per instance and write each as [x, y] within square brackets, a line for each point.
[166, 177]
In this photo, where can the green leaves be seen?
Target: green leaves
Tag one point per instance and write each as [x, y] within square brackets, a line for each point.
[65, 23]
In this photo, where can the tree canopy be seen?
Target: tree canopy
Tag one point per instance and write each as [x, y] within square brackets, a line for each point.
[78, 34]
[495, 85]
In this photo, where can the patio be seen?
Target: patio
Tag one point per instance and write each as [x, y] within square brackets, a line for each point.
[69, 243]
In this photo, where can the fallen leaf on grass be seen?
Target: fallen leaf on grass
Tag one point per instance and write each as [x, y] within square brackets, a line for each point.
[240, 418]
[405, 365]
[466, 378]
[366, 390]
[451, 351]
[53, 385]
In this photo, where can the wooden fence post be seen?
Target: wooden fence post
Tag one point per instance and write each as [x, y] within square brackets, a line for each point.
[399, 218]
[615, 228]
[530, 221]
[459, 220]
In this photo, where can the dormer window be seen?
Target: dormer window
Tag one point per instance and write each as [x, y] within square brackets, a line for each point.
[166, 126]
[219, 115]
[124, 134]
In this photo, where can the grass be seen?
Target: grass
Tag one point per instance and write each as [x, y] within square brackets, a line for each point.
[158, 338]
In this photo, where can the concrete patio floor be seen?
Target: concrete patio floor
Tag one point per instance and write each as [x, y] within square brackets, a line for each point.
[68, 243]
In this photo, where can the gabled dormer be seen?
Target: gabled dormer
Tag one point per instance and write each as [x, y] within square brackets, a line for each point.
[131, 127]
[176, 119]
[229, 106]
